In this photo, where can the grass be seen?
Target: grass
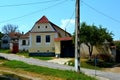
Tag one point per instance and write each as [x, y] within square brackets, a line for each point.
[4, 50]
[67, 75]
[84, 64]
[91, 65]
[26, 54]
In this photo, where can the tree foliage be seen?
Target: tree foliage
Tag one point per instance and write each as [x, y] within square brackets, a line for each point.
[1, 35]
[9, 28]
[92, 35]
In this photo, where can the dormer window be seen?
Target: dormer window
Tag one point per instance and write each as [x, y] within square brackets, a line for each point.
[45, 26]
[38, 26]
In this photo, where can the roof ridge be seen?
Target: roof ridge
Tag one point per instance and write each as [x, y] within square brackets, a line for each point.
[44, 19]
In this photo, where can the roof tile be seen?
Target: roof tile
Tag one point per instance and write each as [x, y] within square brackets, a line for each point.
[43, 20]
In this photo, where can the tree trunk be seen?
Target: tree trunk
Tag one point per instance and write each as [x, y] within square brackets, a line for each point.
[90, 48]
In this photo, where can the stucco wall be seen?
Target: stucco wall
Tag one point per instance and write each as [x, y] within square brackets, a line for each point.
[23, 47]
[43, 46]
[57, 47]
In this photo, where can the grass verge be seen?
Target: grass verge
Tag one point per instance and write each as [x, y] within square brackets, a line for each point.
[85, 63]
[67, 75]
[26, 54]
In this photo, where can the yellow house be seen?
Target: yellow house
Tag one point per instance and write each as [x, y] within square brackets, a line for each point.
[45, 38]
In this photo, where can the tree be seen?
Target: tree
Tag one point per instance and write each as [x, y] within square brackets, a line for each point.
[1, 35]
[9, 28]
[92, 35]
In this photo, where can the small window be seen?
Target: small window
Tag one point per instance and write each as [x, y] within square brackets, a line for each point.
[23, 42]
[5, 41]
[47, 38]
[38, 26]
[38, 39]
[45, 26]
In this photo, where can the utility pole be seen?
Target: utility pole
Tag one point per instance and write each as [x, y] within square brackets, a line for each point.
[77, 37]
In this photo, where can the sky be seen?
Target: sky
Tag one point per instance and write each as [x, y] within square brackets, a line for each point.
[102, 12]
[24, 13]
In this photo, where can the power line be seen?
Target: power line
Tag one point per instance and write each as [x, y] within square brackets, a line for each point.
[34, 12]
[100, 12]
[24, 4]
[70, 19]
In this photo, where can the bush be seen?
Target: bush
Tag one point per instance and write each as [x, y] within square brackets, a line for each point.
[105, 57]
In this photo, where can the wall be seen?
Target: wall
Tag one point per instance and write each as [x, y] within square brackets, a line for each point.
[43, 46]
[23, 47]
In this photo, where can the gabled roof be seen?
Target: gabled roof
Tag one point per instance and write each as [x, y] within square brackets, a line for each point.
[24, 36]
[14, 35]
[43, 20]
[60, 31]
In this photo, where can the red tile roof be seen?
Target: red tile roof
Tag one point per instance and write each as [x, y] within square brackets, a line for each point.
[43, 20]
[25, 35]
[14, 34]
[63, 39]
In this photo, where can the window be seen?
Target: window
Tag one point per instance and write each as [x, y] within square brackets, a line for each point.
[38, 26]
[38, 39]
[5, 41]
[23, 42]
[47, 38]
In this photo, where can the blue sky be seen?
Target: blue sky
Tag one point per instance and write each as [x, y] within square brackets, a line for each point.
[102, 12]
[60, 12]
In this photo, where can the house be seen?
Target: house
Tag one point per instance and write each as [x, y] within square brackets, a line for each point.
[8, 38]
[24, 42]
[47, 39]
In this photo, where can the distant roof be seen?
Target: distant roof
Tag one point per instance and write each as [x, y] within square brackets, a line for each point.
[24, 36]
[14, 34]
[43, 20]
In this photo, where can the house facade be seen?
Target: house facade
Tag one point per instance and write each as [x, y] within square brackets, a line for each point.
[45, 38]
[9, 38]
[24, 42]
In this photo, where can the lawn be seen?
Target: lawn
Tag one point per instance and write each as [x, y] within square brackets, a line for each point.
[26, 54]
[85, 63]
[4, 50]
[66, 75]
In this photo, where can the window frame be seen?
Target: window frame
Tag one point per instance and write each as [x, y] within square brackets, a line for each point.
[23, 42]
[38, 39]
[47, 39]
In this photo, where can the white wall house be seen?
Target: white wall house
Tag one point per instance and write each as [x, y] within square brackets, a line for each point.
[24, 42]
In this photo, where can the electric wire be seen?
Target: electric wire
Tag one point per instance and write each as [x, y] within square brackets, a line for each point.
[61, 2]
[25, 4]
[100, 12]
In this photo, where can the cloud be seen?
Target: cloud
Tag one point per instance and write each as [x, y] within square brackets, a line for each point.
[69, 24]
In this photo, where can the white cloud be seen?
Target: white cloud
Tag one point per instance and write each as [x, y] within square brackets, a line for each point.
[69, 24]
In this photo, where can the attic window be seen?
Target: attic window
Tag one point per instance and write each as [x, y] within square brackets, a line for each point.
[38, 26]
[45, 26]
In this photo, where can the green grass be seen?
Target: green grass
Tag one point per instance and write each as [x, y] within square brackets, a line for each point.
[4, 50]
[26, 54]
[91, 65]
[67, 75]
[84, 64]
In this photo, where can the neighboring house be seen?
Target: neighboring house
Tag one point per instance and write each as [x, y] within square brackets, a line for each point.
[8, 38]
[47, 39]
[24, 42]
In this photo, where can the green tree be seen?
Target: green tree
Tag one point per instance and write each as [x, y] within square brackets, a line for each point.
[1, 35]
[92, 35]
